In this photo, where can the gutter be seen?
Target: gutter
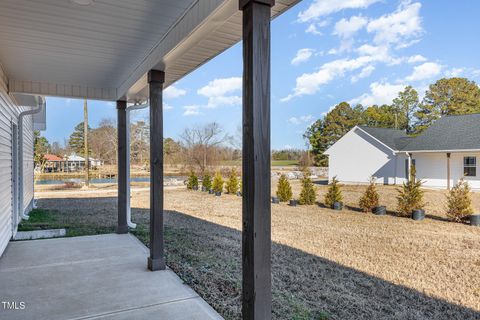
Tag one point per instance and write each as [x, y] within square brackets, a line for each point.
[129, 209]
[40, 105]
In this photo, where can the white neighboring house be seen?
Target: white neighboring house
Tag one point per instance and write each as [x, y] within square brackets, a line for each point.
[447, 151]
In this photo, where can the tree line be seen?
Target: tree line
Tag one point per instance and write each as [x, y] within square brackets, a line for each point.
[447, 96]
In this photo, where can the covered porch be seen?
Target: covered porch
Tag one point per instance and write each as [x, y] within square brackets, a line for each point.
[128, 52]
[92, 277]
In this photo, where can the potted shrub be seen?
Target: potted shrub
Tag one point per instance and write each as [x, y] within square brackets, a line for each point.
[410, 198]
[284, 190]
[308, 194]
[206, 182]
[459, 203]
[333, 198]
[192, 182]
[217, 184]
[293, 203]
[369, 202]
[275, 200]
[232, 183]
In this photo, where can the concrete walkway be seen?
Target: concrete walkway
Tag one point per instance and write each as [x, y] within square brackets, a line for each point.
[94, 277]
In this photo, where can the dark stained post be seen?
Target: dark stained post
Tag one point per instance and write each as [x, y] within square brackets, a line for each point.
[256, 236]
[448, 170]
[122, 166]
[156, 261]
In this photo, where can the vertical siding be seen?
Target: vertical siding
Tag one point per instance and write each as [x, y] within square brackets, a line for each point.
[8, 114]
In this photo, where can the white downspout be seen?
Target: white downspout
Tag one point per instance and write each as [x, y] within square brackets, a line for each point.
[37, 109]
[129, 211]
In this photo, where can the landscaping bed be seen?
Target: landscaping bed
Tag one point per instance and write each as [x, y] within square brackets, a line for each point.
[325, 264]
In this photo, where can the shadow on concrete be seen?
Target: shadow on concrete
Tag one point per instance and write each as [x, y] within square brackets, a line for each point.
[207, 256]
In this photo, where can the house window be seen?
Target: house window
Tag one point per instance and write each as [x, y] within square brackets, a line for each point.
[470, 166]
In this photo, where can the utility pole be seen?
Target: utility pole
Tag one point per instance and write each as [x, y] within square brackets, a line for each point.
[85, 140]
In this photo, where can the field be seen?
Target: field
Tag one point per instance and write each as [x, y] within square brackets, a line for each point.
[325, 264]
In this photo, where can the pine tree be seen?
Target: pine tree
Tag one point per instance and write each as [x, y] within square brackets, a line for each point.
[459, 201]
[334, 194]
[207, 181]
[308, 194]
[218, 182]
[284, 190]
[410, 195]
[192, 182]
[370, 198]
[232, 182]
[76, 142]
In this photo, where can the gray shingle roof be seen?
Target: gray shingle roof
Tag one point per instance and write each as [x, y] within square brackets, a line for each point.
[395, 139]
[449, 133]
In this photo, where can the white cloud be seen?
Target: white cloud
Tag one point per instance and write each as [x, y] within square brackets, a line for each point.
[310, 83]
[302, 55]
[173, 92]
[301, 119]
[424, 71]
[166, 106]
[314, 28]
[367, 71]
[416, 58]
[321, 8]
[380, 93]
[192, 110]
[287, 147]
[221, 92]
[454, 72]
[347, 28]
[398, 27]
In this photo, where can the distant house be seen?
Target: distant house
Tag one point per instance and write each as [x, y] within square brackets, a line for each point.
[447, 151]
[69, 163]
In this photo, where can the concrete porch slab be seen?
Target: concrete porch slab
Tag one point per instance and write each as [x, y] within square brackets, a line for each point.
[93, 277]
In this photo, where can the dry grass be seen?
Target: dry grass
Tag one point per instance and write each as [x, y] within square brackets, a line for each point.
[347, 265]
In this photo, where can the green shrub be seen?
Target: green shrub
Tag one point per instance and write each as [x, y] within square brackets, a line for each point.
[370, 198]
[217, 184]
[308, 194]
[232, 182]
[410, 195]
[207, 181]
[192, 180]
[334, 194]
[459, 201]
[284, 190]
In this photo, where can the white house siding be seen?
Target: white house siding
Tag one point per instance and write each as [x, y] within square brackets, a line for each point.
[357, 156]
[432, 169]
[8, 115]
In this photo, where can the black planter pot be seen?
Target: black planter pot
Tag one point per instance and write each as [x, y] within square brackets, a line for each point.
[293, 203]
[204, 189]
[475, 220]
[195, 188]
[211, 191]
[418, 214]
[275, 200]
[239, 194]
[218, 193]
[337, 206]
[380, 210]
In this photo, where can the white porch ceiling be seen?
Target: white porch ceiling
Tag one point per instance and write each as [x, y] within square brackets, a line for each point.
[104, 50]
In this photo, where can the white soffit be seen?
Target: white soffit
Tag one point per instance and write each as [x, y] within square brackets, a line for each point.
[104, 50]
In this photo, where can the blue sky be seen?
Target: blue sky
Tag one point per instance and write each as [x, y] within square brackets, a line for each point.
[323, 52]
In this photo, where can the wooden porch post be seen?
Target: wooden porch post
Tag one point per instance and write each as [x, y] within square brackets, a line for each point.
[256, 236]
[448, 170]
[122, 166]
[156, 261]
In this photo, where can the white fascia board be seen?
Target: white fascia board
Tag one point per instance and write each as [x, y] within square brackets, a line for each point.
[441, 151]
[61, 90]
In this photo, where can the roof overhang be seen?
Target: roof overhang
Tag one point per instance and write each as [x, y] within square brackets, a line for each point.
[44, 53]
[441, 151]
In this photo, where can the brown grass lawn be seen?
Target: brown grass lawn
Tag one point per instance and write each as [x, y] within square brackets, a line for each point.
[325, 264]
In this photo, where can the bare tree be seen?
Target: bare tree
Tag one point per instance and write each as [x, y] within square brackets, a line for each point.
[140, 142]
[103, 141]
[201, 142]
